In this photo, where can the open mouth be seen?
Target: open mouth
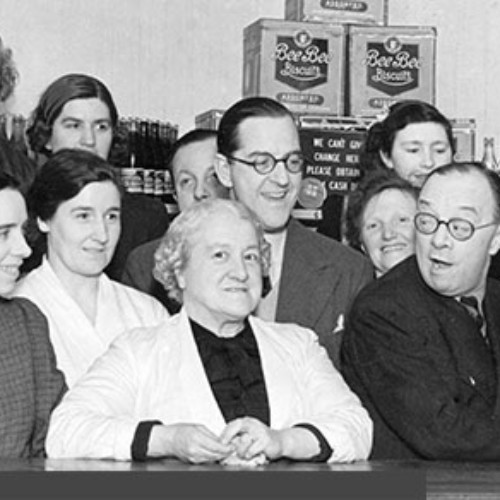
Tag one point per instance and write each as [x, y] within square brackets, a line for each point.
[12, 271]
[275, 195]
[393, 248]
[439, 264]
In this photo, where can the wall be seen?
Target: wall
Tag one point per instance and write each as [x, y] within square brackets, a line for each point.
[173, 59]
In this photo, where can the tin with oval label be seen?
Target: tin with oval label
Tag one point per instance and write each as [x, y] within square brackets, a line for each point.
[299, 64]
[388, 64]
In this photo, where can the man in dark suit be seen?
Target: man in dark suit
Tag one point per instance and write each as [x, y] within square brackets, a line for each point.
[313, 278]
[422, 343]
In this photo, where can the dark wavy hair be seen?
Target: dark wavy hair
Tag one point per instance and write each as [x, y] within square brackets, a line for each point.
[63, 176]
[9, 182]
[251, 107]
[381, 135]
[52, 101]
[372, 184]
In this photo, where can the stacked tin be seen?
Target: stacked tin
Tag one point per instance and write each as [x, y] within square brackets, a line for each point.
[338, 65]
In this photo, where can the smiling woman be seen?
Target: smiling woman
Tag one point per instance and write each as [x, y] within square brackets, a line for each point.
[30, 385]
[13, 246]
[380, 219]
[76, 201]
[413, 140]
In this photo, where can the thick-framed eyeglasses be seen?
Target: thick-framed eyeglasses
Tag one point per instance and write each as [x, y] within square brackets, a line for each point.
[264, 163]
[459, 229]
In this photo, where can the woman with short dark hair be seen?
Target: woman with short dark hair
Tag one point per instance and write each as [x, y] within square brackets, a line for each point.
[380, 217]
[413, 139]
[77, 111]
[76, 203]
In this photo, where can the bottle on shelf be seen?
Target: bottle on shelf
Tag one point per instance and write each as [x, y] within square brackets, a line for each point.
[3, 127]
[17, 137]
[489, 158]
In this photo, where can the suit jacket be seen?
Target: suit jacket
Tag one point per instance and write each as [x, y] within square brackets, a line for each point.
[422, 368]
[138, 273]
[157, 374]
[17, 164]
[319, 279]
[30, 384]
[143, 219]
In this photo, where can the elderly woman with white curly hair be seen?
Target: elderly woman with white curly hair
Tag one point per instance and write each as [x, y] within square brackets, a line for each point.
[213, 383]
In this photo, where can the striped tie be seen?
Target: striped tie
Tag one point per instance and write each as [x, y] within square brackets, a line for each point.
[472, 306]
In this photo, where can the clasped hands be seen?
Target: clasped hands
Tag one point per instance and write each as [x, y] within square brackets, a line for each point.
[244, 441]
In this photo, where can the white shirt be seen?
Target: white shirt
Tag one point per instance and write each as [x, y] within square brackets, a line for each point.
[76, 341]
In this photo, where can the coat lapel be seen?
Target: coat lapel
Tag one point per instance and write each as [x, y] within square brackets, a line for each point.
[474, 362]
[276, 371]
[196, 387]
[303, 288]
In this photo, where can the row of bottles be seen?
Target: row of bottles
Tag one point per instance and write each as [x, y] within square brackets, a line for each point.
[141, 151]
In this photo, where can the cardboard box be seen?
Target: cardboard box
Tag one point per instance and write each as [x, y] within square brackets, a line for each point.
[388, 64]
[209, 120]
[299, 64]
[338, 11]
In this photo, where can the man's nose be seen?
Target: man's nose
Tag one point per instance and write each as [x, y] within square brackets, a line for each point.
[280, 173]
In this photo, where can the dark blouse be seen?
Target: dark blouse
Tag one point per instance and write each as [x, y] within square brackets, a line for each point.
[234, 371]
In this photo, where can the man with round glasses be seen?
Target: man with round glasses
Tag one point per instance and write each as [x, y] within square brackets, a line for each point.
[313, 278]
[422, 342]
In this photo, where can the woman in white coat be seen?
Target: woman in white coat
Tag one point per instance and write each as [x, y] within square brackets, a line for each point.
[213, 383]
[76, 200]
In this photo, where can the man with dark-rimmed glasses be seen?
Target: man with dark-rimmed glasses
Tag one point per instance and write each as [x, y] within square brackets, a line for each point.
[422, 343]
[313, 278]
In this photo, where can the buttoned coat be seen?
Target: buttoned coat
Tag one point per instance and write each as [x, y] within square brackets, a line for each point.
[424, 371]
[30, 384]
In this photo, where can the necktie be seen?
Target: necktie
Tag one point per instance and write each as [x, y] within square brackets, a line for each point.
[472, 306]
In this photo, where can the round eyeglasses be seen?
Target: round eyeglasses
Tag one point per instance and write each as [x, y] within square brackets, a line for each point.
[459, 229]
[264, 163]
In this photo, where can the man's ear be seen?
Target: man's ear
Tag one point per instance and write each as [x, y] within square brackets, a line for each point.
[223, 170]
[42, 226]
[495, 243]
[180, 279]
[386, 160]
